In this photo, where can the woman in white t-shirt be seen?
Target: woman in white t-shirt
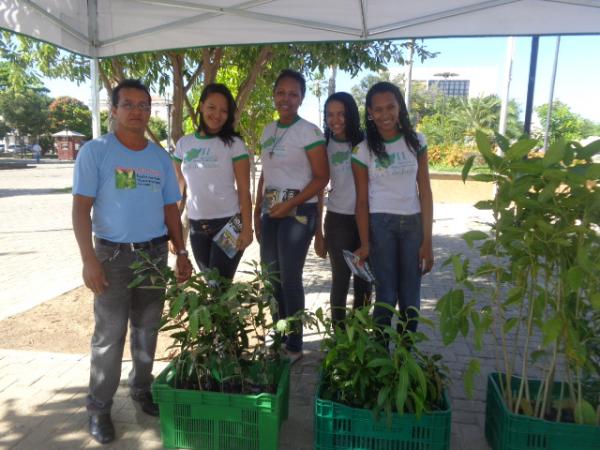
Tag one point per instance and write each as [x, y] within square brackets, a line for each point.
[294, 171]
[342, 133]
[394, 205]
[213, 166]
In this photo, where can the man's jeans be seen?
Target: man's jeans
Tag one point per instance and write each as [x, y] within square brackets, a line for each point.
[284, 245]
[394, 255]
[113, 309]
[206, 252]
[341, 233]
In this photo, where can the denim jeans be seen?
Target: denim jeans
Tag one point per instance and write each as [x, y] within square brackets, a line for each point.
[283, 248]
[206, 252]
[117, 306]
[394, 255]
[341, 233]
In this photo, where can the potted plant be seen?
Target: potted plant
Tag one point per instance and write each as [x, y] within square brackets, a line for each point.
[225, 387]
[536, 293]
[372, 398]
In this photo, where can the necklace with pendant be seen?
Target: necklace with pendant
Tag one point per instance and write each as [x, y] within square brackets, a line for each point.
[277, 141]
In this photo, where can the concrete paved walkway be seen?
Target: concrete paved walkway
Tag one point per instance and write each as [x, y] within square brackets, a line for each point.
[42, 394]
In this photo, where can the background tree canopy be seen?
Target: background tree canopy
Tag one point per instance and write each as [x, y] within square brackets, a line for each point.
[449, 123]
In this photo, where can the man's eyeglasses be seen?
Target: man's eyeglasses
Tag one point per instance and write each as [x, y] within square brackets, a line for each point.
[130, 106]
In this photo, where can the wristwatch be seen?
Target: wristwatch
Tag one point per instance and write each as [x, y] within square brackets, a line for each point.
[182, 252]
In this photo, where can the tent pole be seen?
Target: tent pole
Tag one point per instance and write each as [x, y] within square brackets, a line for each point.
[95, 98]
[551, 96]
[535, 42]
[94, 68]
[510, 51]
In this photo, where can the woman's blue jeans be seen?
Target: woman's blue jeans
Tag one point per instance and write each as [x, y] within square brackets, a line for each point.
[283, 249]
[394, 256]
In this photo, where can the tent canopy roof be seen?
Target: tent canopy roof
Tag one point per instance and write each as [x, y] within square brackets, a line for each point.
[68, 133]
[102, 28]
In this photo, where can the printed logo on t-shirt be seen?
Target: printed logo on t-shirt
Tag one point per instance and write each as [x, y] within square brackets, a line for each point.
[339, 158]
[125, 178]
[395, 163]
[201, 157]
[132, 178]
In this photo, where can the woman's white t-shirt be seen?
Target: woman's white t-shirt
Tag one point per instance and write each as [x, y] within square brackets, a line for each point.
[342, 192]
[392, 181]
[207, 166]
[285, 164]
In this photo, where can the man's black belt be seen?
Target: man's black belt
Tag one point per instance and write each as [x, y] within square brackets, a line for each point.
[135, 245]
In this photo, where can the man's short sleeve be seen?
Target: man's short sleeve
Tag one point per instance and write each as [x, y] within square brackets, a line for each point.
[171, 193]
[85, 175]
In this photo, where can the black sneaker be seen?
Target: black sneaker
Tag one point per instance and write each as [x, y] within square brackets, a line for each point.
[146, 402]
[101, 428]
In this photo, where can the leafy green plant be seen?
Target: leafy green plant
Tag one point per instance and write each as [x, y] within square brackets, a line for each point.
[539, 276]
[219, 330]
[360, 371]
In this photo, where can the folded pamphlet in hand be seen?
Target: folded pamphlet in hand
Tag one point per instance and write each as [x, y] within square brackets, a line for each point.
[227, 237]
[363, 271]
[273, 196]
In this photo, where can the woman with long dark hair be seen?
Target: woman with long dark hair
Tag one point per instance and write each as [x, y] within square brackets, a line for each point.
[294, 171]
[213, 165]
[394, 204]
[342, 134]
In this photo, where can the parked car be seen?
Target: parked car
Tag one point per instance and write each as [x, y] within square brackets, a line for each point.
[2, 148]
[15, 148]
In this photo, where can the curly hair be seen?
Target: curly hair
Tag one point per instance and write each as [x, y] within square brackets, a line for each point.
[374, 139]
[227, 132]
[294, 75]
[353, 132]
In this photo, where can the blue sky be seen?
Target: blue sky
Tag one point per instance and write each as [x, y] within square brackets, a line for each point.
[577, 82]
[578, 74]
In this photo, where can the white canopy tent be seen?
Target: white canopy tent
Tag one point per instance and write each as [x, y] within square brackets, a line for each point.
[104, 28]
[101, 28]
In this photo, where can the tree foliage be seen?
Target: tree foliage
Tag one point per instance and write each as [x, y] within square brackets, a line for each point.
[25, 112]
[564, 123]
[181, 74]
[68, 113]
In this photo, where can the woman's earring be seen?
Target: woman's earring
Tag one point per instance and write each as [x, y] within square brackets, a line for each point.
[369, 117]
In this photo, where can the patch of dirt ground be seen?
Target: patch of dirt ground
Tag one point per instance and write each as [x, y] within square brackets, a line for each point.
[65, 323]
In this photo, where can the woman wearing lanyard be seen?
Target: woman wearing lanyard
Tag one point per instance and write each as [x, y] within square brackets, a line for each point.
[211, 163]
[394, 205]
[294, 171]
[342, 133]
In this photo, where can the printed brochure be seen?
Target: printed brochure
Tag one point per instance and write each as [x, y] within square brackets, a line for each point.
[360, 271]
[273, 196]
[227, 238]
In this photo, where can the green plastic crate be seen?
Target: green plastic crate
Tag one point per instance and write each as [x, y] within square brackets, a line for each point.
[217, 421]
[505, 430]
[340, 427]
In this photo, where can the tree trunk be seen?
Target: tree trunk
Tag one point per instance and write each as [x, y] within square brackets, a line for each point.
[331, 82]
[177, 62]
[245, 89]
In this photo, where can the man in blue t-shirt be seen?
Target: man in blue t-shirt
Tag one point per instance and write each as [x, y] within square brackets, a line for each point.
[124, 192]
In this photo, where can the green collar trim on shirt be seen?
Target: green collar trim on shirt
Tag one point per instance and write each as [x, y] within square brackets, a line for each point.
[199, 136]
[280, 125]
[332, 137]
[393, 139]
